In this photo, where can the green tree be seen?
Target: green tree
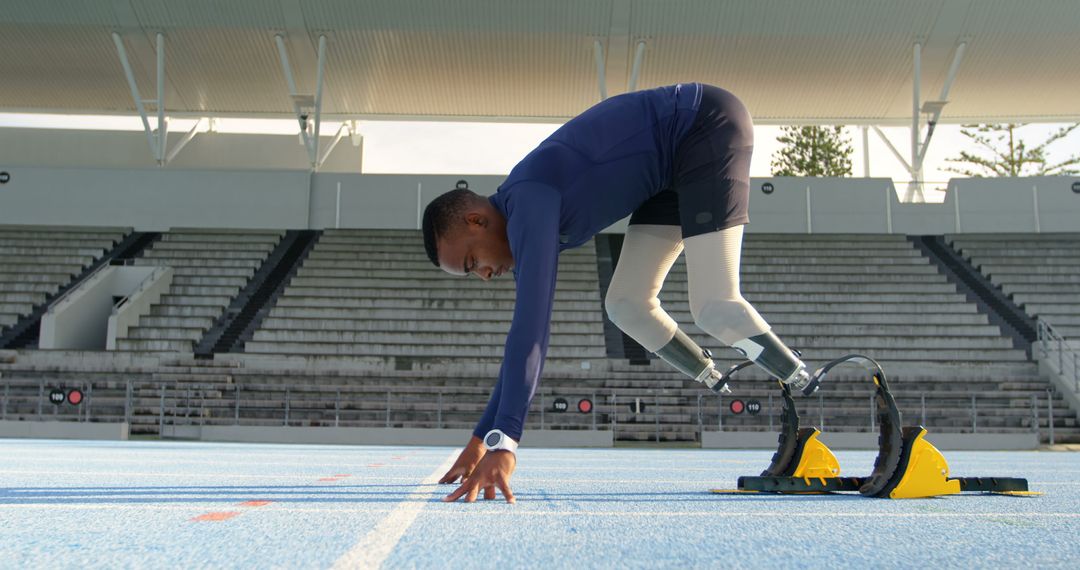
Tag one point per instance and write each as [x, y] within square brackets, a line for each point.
[812, 151]
[1009, 155]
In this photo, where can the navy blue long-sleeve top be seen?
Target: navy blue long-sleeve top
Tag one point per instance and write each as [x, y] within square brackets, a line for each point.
[590, 173]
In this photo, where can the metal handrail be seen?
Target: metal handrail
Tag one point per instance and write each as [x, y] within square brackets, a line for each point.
[142, 286]
[257, 403]
[1058, 354]
[66, 294]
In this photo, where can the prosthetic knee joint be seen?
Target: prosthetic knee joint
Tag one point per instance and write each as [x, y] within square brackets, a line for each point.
[768, 352]
[690, 359]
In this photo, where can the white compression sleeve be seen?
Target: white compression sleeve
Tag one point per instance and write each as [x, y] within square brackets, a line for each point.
[717, 304]
[648, 252]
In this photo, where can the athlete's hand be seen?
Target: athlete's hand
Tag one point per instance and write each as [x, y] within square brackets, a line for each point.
[466, 461]
[494, 470]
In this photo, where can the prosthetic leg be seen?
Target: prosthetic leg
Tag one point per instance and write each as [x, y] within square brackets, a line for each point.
[718, 307]
[768, 352]
[687, 357]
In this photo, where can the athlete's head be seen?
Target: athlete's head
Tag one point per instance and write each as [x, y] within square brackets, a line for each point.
[464, 233]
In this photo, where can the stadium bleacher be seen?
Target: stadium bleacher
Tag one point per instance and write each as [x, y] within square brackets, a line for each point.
[374, 293]
[35, 262]
[1040, 272]
[369, 333]
[210, 268]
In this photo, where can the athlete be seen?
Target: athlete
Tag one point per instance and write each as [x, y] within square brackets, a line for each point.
[677, 160]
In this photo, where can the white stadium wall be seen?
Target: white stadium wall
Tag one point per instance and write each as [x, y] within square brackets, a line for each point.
[130, 149]
[163, 198]
[155, 199]
[383, 200]
[991, 205]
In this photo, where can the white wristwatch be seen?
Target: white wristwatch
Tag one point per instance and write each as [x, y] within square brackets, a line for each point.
[496, 439]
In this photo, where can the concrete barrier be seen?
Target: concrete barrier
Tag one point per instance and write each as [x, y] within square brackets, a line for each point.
[64, 430]
[383, 436]
[868, 441]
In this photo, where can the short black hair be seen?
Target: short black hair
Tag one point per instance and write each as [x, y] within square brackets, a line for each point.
[441, 215]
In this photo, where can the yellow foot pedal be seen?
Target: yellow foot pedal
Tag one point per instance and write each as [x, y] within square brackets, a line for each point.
[817, 460]
[925, 473]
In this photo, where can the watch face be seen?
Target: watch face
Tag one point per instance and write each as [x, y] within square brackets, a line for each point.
[493, 439]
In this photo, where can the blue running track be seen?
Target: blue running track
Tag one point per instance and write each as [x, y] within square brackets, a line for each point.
[199, 505]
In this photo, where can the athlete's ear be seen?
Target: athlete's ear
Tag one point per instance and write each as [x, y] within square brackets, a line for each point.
[476, 219]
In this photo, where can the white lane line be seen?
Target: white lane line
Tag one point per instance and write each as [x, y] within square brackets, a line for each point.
[181, 475]
[376, 547]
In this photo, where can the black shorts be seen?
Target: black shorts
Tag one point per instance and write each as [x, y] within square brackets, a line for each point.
[710, 182]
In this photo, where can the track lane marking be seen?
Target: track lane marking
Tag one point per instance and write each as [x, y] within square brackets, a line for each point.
[376, 546]
[524, 513]
[215, 517]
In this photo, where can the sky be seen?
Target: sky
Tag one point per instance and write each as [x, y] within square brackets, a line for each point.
[462, 148]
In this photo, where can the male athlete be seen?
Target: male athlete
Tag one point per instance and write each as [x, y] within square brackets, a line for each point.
[677, 160]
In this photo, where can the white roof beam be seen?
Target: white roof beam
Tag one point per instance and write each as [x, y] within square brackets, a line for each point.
[889, 144]
[187, 138]
[942, 99]
[155, 145]
[299, 101]
[598, 51]
[163, 125]
[346, 127]
[318, 100]
[639, 55]
[916, 85]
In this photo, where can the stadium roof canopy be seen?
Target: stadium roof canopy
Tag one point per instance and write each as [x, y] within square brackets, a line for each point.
[829, 61]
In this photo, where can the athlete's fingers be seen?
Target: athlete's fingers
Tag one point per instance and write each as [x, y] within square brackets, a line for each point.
[489, 492]
[504, 486]
[450, 476]
[464, 488]
[473, 491]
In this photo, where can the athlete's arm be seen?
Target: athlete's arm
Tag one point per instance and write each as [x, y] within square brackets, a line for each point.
[533, 230]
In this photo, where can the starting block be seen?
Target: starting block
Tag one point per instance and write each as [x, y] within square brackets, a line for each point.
[907, 466]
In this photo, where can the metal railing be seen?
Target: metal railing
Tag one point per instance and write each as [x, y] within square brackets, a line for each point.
[142, 286]
[651, 412]
[1056, 352]
[235, 403]
[64, 297]
[968, 412]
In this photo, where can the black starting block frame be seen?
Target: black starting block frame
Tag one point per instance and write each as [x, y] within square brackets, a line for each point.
[907, 465]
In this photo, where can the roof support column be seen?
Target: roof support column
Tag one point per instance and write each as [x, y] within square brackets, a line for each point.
[163, 125]
[916, 82]
[157, 139]
[346, 127]
[935, 107]
[639, 54]
[305, 105]
[598, 50]
[865, 151]
[183, 142]
[318, 101]
[889, 144]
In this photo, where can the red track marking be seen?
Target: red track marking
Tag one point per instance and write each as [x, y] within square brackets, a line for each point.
[328, 479]
[253, 503]
[222, 516]
[376, 464]
[343, 476]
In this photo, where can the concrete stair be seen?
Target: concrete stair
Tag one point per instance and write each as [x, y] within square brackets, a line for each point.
[374, 293]
[1039, 272]
[210, 268]
[35, 262]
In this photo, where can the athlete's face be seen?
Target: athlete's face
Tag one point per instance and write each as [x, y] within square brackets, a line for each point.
[477, 246]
